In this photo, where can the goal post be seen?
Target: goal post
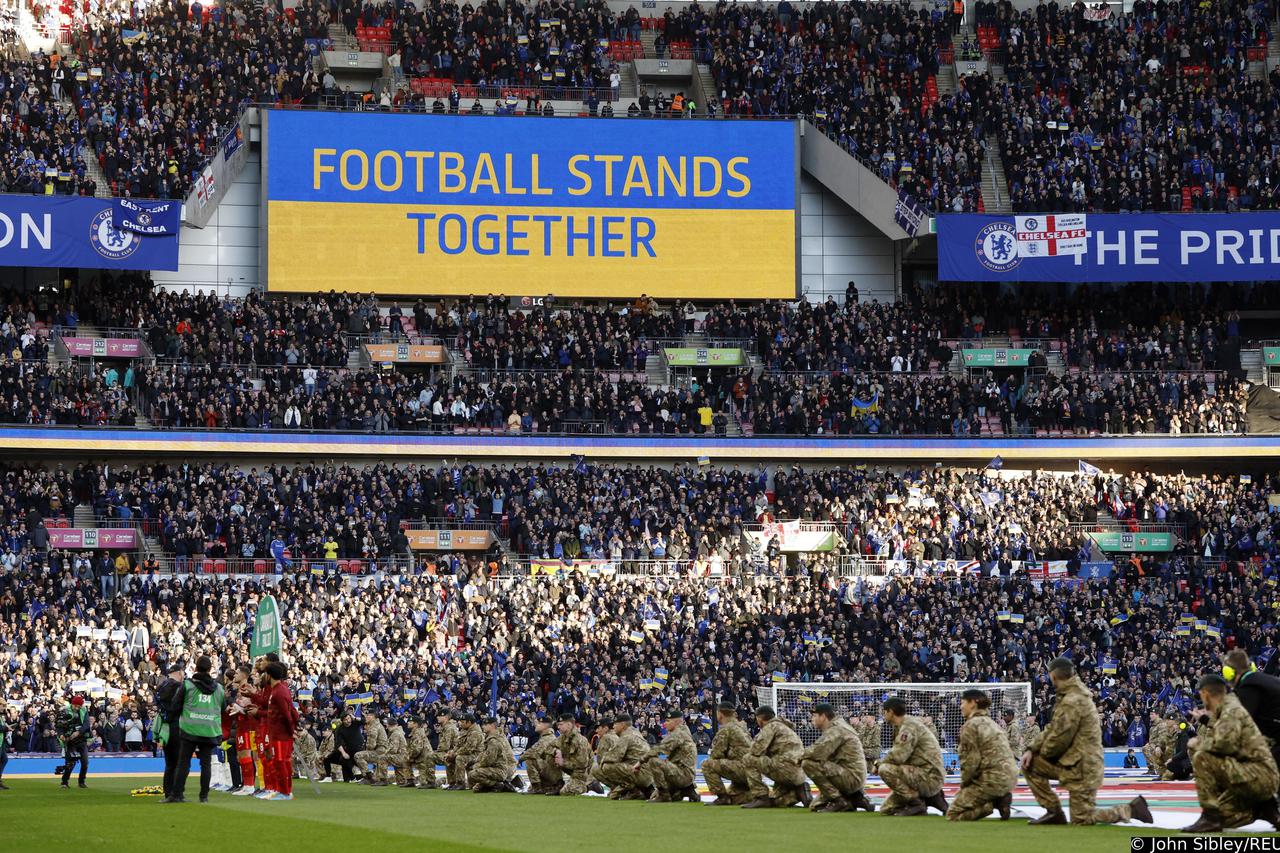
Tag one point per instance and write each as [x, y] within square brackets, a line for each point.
[792, 700]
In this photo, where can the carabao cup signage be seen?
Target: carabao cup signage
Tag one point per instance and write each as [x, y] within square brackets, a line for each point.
[70, 231]
[583, 207]
[103, 347]
[110, 538]
[1110, 247]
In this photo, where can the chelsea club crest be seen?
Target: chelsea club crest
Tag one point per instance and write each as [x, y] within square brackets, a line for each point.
[997, 247]
[112, 243]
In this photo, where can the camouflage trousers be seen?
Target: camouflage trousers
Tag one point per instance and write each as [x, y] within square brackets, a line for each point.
[785, 773]
[544, 774]
[425, 764]
[454, 773]
[620, 776]
[1083, 794]
[1157, 756]
[668, 777]
[716, 770]
[833, 780]
[1231, 786]
[378, 759]
[487, 778]
[907, 783]
[978, 799]
[576, 780]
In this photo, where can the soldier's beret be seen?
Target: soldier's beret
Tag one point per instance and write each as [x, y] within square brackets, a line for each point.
[1211, 680]
[568, 718]
[764, 712]
[446, 712]
[622, 718]
[673, 714]
[824, 708]
[489, 721]
[1008, 712]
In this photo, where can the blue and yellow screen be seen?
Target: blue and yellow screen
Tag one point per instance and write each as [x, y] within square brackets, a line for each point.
[576, 207]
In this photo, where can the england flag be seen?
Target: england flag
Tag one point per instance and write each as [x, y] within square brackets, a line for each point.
[1050, 235]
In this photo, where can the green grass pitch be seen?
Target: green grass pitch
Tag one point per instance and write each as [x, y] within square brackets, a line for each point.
[36, 815]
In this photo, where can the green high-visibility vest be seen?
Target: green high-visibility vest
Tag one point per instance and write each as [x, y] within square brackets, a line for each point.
[201, 712]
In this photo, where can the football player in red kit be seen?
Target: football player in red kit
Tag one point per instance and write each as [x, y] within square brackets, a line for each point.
[280, 719]
[241, 708]
[261, 734]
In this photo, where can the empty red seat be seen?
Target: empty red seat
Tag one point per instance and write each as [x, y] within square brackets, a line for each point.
[259, 567]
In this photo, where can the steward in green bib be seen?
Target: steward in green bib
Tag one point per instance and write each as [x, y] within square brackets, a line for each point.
[197, 707]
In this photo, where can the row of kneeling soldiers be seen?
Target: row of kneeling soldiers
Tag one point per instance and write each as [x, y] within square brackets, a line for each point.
[1236, 773]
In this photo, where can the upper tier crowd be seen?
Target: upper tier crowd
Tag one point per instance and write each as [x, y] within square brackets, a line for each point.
[703, 515]
[1154, 109]
[525, 646]
[1133, 360]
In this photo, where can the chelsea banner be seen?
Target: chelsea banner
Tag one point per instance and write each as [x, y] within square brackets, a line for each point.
[72, 231]
[458, 204]
[1102, 247]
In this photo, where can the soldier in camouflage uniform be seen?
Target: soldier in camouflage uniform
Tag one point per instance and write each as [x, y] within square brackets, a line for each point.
[988, 770]
[727, 759]
[776, 753]
[673, 774]
[398, 757]
[304, 750]
[446, 747]
[912, 768]
[496, 763]
[1157, 752]
[540, 760]
[470, 745]
[421, 757]
[605, 740]
[623, 763]
[573, 758]
[836, 763]
[1236, 775]
[1009, 725]
[869, 729]
[375, 749]
[1070, 750]
[326, 749]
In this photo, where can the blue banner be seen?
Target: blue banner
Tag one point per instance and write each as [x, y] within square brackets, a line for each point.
[1095, 571]
[70, 231]
[1127, 247]
[156, 218]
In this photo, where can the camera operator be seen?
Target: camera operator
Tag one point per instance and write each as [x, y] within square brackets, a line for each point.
[73, 731]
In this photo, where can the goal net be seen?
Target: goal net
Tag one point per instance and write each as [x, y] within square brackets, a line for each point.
[857, 702]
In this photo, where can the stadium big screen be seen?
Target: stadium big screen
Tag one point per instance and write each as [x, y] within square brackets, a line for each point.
[456, 205]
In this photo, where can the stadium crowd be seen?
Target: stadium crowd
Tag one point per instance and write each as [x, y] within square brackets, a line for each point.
[1154, 109]
[569, 644]
[629, 512]
[824, 369]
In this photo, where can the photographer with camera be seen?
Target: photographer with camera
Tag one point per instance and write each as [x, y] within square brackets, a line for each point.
[72, 726]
